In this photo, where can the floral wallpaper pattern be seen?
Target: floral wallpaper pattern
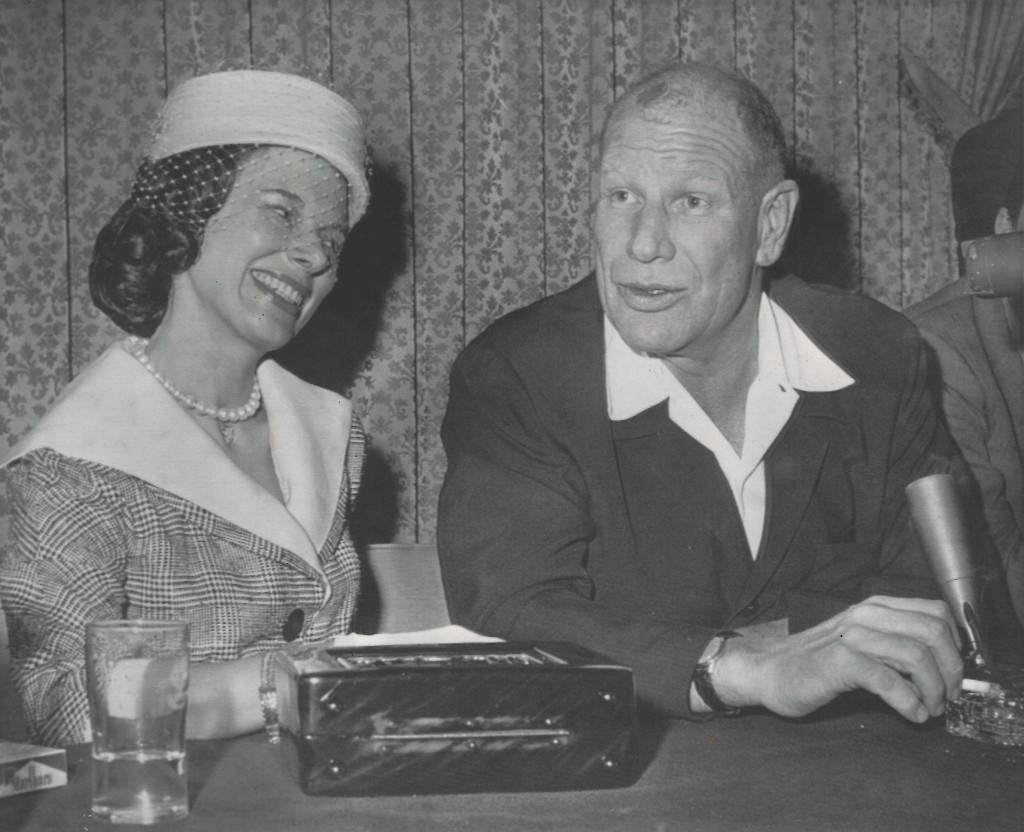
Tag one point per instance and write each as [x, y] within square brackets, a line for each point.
[483, 117]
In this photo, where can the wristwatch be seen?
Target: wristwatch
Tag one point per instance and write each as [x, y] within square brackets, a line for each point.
[702, 680]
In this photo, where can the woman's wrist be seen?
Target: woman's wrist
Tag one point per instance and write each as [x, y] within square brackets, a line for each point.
[221, 702]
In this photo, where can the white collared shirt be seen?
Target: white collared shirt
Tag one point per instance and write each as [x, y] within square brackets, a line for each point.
[788, 361]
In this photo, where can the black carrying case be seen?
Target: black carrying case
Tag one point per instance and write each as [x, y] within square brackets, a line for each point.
[454, 718]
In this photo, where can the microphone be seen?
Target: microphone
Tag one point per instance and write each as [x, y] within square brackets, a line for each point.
[939, 519]
[989, 706]
[995, 265]
[993, 268]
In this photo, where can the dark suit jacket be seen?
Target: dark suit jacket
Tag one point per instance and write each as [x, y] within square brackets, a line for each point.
[557, 524]
[983, 398]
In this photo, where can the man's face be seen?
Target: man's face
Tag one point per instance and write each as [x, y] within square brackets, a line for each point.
[678, 231]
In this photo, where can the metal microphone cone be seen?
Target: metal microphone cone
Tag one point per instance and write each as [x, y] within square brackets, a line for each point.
[995, 265]
[940, 522]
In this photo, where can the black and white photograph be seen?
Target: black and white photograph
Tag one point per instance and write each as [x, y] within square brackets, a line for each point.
[570, 415]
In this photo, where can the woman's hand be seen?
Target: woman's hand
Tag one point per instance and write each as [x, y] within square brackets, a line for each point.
[223, 698]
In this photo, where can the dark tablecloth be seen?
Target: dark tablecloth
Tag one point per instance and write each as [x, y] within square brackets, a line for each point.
[845, 771]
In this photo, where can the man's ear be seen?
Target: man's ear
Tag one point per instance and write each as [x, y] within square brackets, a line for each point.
[778, 208]
[1004, 225]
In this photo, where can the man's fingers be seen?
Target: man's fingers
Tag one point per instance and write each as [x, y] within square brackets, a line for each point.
[935, 632]
[914, 661]
[931, 606]
[937, 609]
[903, 650]
[886, 683]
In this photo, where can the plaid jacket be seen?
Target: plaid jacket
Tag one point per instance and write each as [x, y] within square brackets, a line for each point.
[90, 541]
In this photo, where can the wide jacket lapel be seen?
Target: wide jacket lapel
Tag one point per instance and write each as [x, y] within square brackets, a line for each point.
[818, 429]
[679, 504]
[575, 385]
[116, 414]
[309, 432]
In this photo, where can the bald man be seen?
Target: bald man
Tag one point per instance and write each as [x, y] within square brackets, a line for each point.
[694, 473]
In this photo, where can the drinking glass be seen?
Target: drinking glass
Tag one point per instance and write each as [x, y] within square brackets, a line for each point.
[138, 692]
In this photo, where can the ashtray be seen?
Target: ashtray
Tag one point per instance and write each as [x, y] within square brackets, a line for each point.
[988, 712]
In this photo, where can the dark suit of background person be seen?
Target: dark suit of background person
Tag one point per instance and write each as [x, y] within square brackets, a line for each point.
[978, 343]
[556, 523]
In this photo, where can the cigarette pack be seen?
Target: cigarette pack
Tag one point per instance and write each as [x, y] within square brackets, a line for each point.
[28, 768]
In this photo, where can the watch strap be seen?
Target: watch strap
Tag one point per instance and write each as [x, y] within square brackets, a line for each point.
[702, 675]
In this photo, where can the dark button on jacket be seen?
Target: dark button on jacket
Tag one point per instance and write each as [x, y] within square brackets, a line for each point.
[293, 625]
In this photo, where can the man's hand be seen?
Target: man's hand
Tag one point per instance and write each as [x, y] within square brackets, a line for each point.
[905, 650]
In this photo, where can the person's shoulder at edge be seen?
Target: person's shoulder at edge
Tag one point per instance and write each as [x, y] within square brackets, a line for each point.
[962, 329]
[952, 322]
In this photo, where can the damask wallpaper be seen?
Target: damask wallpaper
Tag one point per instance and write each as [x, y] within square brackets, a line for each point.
[482, 117]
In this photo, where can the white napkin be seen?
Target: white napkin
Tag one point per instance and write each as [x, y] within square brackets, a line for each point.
[451, 634]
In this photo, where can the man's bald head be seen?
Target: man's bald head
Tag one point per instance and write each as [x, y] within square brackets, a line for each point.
[721, 94]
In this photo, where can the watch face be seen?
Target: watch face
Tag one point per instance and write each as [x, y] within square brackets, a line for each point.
[716, 645]
[712, 650]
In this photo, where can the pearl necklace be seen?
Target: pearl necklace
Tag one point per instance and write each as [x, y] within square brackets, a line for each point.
[226, 417]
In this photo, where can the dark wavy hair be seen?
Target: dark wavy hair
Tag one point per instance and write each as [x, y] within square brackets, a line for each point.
[142, 247]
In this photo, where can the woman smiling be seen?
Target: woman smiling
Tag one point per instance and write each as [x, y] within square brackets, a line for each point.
[184, 475]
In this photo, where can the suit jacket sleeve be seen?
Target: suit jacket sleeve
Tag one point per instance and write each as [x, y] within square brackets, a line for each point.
[513, 531]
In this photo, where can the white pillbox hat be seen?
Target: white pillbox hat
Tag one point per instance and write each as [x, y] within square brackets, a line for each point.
[266, 108]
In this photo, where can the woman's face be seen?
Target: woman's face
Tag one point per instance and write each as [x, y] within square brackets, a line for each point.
[269, 256]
